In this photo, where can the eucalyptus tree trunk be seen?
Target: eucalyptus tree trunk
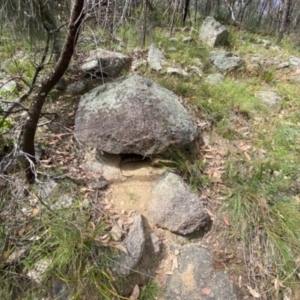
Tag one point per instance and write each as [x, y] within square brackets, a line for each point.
[284, 19]
[29, 130]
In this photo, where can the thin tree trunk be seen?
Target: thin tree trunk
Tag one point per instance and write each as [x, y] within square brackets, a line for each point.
[262, 11]
[173, 17]
[196, 11]
[38, 100]
[186, 10]
[144, 33]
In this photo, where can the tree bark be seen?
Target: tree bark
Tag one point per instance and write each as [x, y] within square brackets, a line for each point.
[284, 19]
[185, 11]
[29, 130]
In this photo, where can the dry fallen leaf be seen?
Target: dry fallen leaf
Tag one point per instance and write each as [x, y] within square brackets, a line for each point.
[135, 293]
[102, 240]
[174, 263]
[218, 265]
[244, 147]
[226, 221]
[253, 292]
[34, 212]
[162, 276]
[118, 246]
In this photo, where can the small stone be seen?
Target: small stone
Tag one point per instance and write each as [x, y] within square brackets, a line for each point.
[187, 39]
[60, 290]
[39, 268]
[156, 243]
[270, 99]
[215, 78]
[177, 71]
[85, 203]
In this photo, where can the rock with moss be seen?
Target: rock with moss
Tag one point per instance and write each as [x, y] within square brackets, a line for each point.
[213, 33]
[133, 115]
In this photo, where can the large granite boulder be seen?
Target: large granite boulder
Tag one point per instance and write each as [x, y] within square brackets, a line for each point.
[107, 63]
[213, 33]
[135, 115]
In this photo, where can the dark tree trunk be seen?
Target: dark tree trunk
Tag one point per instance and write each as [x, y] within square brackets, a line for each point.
[284, 19]
[185, 11]
[207, 7]
[38, 100]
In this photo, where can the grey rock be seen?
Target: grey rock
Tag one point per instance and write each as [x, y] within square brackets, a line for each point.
[196, 273]
[175, 208]
[155, 58]
[46, 188]
[77, 88]
[264, 42]
[177, 71]
[187, 39]
[2, 74]
[196, 70]
[294, 61]
[60, 290]
[7, 86]
[270, 99]
[133, 116]
[63, 201]
[156, 243]
[226, 61]
[139, 64]
[105, 62]
[134, 244]
[283, 65]
[296, 78]
[215, 78]
[98, 183]
[38, 269]
[270, 61]
[61, 84]
[213, 33]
